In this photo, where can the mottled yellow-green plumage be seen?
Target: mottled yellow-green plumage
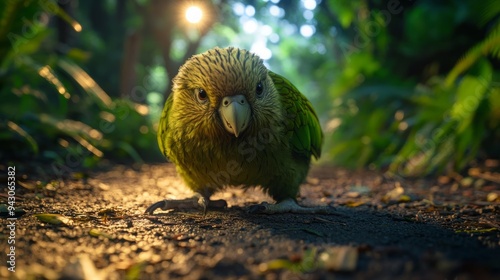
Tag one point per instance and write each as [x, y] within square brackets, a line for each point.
[229, 121]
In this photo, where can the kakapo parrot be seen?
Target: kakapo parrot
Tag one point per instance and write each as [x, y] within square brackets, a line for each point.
[229, 121]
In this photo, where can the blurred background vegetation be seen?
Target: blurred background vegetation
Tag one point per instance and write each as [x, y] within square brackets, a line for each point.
[412, 87]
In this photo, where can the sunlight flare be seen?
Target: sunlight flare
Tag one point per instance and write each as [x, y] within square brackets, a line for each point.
[194, 14]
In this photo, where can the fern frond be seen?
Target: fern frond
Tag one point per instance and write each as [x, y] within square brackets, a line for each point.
[486, 11]
[86, 82]
[489, 46]
[8, 16]
[25, 135]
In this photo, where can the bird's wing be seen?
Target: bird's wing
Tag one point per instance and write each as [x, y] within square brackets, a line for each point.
[301, 121]
[163, 125]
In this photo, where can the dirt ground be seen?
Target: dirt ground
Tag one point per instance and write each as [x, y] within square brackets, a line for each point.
[383, 228]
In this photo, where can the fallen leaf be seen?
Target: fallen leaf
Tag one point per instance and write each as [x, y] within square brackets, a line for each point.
[479, 183]
[53, 219]
[352, 194]
[276, 265]
[312, 180]
[394, 193]
[112, 212]
[443, 180]
[104, 187]
[354, 203]
[50, 187]
[404, 198]
[342, 258]
[474, 172]
[135, 271]
[305, 264]
[467, 181]
[26, 185]
[96, 233]
[492, 196]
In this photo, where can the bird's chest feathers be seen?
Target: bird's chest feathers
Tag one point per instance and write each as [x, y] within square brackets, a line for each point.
[235, 161]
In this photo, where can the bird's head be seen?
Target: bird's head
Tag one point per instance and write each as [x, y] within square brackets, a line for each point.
[225, 91]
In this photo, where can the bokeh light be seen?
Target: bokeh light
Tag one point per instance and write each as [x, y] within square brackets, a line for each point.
[260, 49]
[307, 30]
[309, 4]
[250, 26]
[276, 11]
[194, 14]
[250, 11]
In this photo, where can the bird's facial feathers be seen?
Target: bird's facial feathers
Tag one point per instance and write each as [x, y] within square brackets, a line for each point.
[225, 91]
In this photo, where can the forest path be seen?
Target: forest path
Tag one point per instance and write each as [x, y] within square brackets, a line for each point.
[382, 228]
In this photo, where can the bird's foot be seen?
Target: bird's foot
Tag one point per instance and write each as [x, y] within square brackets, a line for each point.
[195, 202]
[288, 206]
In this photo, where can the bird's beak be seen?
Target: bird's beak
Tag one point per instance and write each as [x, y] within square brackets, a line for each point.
[235, 113]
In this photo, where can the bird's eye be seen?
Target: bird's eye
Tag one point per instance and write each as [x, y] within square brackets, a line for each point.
[201, 95]
[259, 89]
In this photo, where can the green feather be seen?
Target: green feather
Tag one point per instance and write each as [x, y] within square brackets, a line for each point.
[301, 119]
[163, 125]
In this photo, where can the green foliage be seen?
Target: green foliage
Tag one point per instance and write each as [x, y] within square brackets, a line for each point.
[448, 133]
[412, 87]
[366, 126]
[346, 10]
[489, 46]
[441, 122]
[50, 106]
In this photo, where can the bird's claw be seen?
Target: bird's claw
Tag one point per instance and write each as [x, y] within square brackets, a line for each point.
[160, 204]
[195, 202]
[257, 208]
[288, 206]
